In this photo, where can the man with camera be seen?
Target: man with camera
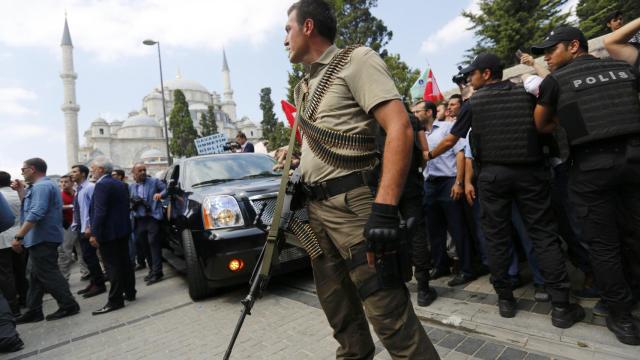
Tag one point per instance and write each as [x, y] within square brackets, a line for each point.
[145, 195]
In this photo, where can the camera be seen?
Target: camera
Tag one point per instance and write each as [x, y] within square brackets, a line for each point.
[231, 146]
[459, 79]
[137, 201]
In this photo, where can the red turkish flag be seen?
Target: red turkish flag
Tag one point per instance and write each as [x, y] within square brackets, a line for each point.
[431, 91]
[290, 113]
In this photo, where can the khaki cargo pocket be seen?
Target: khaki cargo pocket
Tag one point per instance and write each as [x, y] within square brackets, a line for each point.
[358, 201]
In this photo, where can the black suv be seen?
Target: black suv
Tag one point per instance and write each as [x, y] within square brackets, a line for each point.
[213, 231]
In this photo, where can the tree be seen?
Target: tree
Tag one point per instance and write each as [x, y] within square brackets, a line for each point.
[592, 13]
[273, 130]
[504, 26]
[403, 76]
[208, 122]
[356, 25]
[269, 118]
[182, 129]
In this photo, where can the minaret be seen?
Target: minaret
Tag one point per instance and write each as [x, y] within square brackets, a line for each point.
[228, 105]
[69, 106]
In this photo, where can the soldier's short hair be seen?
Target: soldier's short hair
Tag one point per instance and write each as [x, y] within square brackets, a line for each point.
[322, 15]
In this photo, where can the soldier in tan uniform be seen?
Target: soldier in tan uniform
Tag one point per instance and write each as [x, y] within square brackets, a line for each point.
[340, 114]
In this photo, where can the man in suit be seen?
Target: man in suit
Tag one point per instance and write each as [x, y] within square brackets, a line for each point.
[110, 229]
[145, 195]
[245, 146]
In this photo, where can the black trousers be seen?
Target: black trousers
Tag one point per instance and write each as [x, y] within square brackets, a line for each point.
[147, 230]
[605, 188]
[529, 187]
[90, 257]
[411, 210]
[116, 254]
[45, 275]
[7, 278]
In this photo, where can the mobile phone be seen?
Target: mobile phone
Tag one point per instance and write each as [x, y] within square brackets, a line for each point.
[518, 54]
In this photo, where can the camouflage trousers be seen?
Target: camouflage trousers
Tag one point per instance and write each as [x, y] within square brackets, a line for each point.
[338, 223]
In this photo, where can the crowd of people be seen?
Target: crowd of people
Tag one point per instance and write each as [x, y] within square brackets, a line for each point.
[543, 169]
[92, 217]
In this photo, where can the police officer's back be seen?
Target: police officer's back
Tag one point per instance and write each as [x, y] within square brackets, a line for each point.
[596, 102]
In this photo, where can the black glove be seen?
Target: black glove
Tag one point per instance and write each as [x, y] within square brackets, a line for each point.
[381, 230]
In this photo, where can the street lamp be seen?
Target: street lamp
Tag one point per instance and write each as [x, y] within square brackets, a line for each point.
[150, 42]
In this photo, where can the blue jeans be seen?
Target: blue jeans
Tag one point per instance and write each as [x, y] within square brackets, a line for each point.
[443, 213]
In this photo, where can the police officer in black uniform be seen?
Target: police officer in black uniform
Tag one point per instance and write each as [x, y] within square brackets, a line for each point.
[596, 102]
[412, 213]
[512, 169]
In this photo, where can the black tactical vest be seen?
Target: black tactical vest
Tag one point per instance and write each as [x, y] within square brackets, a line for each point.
[503, 128]
[598, 99]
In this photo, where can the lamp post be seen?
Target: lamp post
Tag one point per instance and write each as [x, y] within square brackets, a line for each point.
[150, 42]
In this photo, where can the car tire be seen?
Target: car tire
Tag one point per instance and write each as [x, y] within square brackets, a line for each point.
[198, 287]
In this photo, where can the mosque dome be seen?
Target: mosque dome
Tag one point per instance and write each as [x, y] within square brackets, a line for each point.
[99, 121]
[151, 154]
[184, 84]
[140, 120]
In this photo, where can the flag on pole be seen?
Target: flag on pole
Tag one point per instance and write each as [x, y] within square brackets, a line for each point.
[426, 88]
[290, 113]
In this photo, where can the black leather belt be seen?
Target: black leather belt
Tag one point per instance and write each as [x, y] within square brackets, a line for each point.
[330, 188]
[439, 178]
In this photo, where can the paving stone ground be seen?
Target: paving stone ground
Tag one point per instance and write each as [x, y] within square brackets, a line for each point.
[287, 323]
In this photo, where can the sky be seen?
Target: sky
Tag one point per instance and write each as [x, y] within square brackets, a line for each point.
[115, 70]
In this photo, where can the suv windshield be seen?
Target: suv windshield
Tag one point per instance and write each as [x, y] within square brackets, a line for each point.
[228, 167]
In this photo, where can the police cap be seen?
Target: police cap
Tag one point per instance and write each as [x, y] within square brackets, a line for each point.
[560, 34]
[484, 61]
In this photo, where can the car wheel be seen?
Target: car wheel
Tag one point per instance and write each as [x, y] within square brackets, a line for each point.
[198, 287]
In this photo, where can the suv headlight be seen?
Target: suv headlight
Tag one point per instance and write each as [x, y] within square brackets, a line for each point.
[221, 212]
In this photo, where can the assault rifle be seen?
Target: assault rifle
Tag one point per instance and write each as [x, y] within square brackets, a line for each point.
[268, 256]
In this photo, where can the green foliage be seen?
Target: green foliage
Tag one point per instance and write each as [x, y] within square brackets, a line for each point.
[269, 118]
[208, 122]
[403, 76]
[274, 131]
[592, 13]
[504, 26]
[182, 129]
[295, 76]
[279, 137]
[356, 25]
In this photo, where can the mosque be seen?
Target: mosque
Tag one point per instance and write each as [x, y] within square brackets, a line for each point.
[140, 137]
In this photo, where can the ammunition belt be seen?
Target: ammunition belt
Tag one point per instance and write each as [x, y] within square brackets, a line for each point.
[336, 65]
[306, 236]
[322, 141]
[336, 139]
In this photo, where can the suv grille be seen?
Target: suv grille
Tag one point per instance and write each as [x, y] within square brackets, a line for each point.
[292, 253]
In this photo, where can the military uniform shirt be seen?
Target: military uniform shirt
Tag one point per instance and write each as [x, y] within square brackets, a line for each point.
[362, 84]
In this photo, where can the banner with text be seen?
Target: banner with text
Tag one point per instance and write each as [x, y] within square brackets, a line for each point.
[212, 144]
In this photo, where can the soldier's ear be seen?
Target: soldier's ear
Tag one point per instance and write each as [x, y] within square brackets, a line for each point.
[308, 26]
